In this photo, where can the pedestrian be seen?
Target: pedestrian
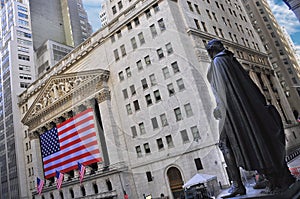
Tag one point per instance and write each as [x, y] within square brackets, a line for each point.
[251, 132]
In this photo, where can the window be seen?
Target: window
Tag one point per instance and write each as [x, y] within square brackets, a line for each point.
[136, 105]
[166, 72]
[125, 93]
[23, 57]
[184, 136]
[147, 148]
[197, 24]
[178, 114]
[154, 123]
[204, 26]
[169, 141]
[195, 132]
[198, 164]
[180, 84]
[160, 53]
[121, 76]
[114, 9]
[148, 100]
[141, 38]
[175, 67]
[208, 14]
[128, 108]
[142, 128]
[147, 60]
[161, 25]
[188, 110]
[157, 95]
[171, 89]
[139, 65]
[116, 53]
[169, 48]
[149, 176]
[138, 151]
[129, 26]
[136, 21]
[112, 38]
[119, 33]
[163, 119]
[133, 43]
[153, 30]
[152, 79]
[133, 131]
[190, 6]
[128, 72]
[160, 144]
[132, 89]
[148, 13]
[123, 50]
[120, 5]
[144, 83]
[155, 7]
[197, 9]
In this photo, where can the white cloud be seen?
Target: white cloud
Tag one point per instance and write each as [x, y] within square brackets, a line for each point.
[285, 17]
[93, 8]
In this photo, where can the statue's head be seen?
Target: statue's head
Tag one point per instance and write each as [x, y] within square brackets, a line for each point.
[214, 46]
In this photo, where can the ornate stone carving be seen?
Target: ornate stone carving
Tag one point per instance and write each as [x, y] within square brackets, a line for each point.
[103, 96]
[63, 92]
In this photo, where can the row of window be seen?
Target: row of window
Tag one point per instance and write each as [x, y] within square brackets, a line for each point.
[154, 33]
[168, 141]
[163, 121]
[148, 98]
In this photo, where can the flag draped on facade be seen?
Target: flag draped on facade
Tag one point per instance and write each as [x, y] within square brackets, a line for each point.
[40, 185]
[81, 169]
[70, 142]
[59, 179]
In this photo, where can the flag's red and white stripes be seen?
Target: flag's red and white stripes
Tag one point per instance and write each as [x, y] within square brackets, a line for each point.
[78, 143]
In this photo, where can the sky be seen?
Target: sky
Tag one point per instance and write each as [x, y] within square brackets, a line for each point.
[285, 17]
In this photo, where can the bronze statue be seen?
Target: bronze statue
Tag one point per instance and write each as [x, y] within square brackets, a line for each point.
[251, 132]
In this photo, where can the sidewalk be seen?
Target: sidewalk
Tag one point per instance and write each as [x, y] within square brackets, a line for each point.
[294, 167]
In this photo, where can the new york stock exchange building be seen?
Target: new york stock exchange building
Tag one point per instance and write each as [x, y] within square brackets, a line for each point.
[131, 105]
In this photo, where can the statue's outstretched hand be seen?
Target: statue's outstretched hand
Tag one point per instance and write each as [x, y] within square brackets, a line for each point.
[217, 113]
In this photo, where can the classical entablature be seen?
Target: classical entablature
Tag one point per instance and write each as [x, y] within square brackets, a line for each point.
[63, 92]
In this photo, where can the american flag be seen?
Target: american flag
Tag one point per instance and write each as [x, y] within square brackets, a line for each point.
[81, 169]
[59, 179]
[40, 185]
[72, 141]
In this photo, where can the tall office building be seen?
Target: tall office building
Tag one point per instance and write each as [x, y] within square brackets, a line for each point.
[58, 26]
[294, 5]
[144, 77]
[18, 71]
[280, 53]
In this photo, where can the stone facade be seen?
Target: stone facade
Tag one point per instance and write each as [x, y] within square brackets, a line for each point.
[144, 74]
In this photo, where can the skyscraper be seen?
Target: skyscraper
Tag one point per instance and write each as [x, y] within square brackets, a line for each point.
[17, 72]
[280, 52]
[17, 48]
[58, 26]
[143, 76]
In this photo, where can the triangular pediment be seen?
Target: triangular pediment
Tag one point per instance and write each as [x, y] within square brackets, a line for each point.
[61, 88]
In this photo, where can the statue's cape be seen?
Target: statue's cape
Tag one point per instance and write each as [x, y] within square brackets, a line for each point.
[254, 129]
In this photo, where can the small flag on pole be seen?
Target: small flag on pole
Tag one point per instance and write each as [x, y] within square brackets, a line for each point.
[81, 169]
[40, 185]
[59, 179]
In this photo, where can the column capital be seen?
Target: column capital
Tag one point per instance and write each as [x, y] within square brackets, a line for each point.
[103, 96]
[34, 135]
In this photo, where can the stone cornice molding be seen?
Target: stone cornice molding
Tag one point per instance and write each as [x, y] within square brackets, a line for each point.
[62, 92]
